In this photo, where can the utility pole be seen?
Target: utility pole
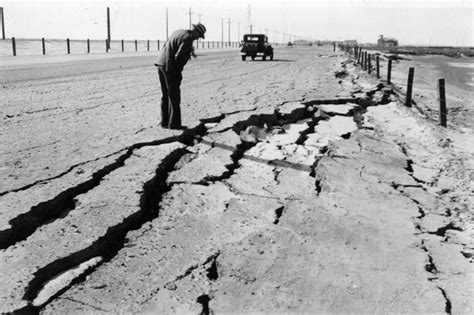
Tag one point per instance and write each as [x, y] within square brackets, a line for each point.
[249, 18]
[108, 28]
[238, 32]
[198, 40]
[190, 26]
[229, 30]
[3, 22]
[166, 23]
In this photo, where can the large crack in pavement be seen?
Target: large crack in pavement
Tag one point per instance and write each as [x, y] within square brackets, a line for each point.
[107, 246]
[254, 131]
[46, 212]
[58, 276]
[292, 143]
[101, 248]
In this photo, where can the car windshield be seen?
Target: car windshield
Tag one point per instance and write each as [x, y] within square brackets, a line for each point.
[253, 38]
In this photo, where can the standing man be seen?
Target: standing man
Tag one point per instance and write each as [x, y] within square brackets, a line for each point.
[170, 62]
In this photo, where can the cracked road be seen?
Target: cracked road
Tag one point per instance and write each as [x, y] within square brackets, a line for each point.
[292, 190]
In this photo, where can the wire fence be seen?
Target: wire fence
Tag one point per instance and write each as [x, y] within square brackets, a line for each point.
[372, 63]
[31, 47]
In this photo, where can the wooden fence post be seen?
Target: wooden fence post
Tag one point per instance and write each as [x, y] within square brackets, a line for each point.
[443, 113]
[334, 46]
[43, 45]
[88, 46]
[14, 46]
[411, 72]
[378, 67]
[122, 46]
[369, 65]
[136, 45]
[366, 60]
[148, 45]
[158, 44]
[106, 45]
[68, 46]
[389, 71]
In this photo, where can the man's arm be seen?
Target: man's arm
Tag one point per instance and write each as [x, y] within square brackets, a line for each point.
[183, 54]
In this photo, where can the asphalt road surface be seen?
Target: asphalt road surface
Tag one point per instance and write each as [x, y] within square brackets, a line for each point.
[300, 185]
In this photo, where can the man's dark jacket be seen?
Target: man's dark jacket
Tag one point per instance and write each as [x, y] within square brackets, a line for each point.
[176, 51]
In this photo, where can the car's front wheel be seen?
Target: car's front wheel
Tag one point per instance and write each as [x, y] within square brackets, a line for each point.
[264, 58]
[243, 58]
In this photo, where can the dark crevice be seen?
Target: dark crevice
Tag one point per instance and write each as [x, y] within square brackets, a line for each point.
[448, 305]
[398, 187]
[421, 212]
[46, 212]
[466, 254]
[257, 123]
[304, 134]
[276, 173]
[44, 180]
[114, 239]
[442, 231]
[204, 301]
[346, 136]
[430, 266]
[409, 166]
[212, 273]
[341, 74]
[318, 186]
[333, 101]
[236, 156]
[278, 214]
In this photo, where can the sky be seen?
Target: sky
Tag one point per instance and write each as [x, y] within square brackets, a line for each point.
[412, 22]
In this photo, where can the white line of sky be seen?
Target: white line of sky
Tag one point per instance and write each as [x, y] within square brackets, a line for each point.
[420, 22]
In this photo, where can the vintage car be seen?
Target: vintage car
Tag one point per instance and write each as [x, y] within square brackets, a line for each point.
[256, 45]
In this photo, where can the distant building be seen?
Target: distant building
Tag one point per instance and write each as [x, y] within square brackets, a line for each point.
[387, 42]
[350, 42]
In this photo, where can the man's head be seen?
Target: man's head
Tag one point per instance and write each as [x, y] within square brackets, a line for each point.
[198, 30]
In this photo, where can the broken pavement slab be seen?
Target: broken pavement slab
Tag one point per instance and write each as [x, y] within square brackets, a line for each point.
[338, 109]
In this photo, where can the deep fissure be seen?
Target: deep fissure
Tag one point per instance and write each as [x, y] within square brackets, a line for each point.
[46, 212]
[114, 239]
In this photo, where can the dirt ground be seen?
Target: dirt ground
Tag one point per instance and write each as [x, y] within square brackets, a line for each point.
[301, 185]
